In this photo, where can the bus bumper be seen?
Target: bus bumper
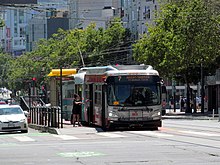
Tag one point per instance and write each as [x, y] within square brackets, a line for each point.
[153, 124]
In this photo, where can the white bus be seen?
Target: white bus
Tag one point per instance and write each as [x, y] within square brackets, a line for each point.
[127, 96]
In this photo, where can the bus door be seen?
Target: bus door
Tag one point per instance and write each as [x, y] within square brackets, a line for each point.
[78, 90]
[104, 107]
[90, 110]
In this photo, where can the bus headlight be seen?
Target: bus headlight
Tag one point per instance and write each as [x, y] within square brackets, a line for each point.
[112, 114]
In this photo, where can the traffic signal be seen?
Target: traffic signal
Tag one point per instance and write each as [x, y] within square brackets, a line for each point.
[33, 82]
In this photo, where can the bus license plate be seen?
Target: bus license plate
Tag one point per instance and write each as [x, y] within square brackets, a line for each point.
[135, 114]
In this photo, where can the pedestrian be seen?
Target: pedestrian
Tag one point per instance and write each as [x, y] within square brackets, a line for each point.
[164, 103]
[182, 104]
[76, 110]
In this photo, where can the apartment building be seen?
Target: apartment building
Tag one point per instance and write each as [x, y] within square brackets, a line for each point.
[13, 34]
[44, 26]
[2, 30]
[84, 12]
[136, 14]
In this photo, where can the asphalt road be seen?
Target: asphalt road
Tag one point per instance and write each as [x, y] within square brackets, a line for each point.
[191, 142]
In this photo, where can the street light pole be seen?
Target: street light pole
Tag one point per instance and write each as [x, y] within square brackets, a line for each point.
[174, 94]
[61, 96]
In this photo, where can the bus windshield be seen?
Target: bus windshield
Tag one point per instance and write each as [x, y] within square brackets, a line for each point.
[130, 93]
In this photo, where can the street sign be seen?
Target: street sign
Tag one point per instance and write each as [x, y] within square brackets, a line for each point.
[12, 2]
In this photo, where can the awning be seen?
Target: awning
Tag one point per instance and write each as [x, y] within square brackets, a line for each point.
[65, 72]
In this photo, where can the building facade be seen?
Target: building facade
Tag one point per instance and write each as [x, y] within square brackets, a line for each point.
[84, 12]
[136, 14]
[13, 34]
[44, 27]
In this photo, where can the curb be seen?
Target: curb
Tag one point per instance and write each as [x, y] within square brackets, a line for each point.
[190, 117]
[44, 129]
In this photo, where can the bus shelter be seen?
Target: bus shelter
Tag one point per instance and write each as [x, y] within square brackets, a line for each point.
[62, 90]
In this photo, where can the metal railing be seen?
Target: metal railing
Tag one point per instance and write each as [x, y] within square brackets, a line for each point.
[45, 116]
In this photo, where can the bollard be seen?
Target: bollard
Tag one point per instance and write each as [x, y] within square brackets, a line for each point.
[219, 114]
[213, 113]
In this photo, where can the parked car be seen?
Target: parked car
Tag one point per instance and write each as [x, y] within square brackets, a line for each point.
[2, 102]
[13, 118]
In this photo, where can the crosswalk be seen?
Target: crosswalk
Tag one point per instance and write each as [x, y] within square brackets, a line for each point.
[34, 137]
[24, 138]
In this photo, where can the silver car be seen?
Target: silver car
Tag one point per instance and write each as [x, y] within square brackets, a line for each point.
[12, 118]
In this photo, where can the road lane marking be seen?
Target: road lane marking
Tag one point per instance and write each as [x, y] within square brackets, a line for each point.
[199, 133]
[111, 135]
[8, 144]
[24, 138]
[80, 154]
[66, 137]
[148, 133]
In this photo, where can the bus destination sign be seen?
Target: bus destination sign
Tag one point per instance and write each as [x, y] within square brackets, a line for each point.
[137, 77]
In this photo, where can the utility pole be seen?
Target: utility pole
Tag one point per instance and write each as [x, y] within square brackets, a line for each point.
[174, 94]
[202, 89]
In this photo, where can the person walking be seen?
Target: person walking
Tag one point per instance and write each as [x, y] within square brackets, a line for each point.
[182, 104]
[76, 110]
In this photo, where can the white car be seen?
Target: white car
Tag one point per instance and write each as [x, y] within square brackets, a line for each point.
[12, 118]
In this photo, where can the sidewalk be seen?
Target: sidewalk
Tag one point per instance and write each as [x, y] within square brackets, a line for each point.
[170, 114]
[68, 128]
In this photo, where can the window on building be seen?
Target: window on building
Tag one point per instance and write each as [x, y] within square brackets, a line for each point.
[15, 16]
[146, 13]
[21, 16]
[32, 32]
[15, 31]
[22, 32]
[16, 42]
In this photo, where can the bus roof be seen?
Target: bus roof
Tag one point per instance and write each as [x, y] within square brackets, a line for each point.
[120, 69]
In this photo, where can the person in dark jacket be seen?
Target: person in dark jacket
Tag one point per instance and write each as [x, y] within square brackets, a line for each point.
[76, 111]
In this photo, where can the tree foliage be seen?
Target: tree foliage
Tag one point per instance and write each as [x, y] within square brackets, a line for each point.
[186, 34]
[2, 23]
[97, 46]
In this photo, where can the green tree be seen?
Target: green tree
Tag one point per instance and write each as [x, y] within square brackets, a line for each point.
[66, 48]
[185, 35]
[114, 44]
[2, 23]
